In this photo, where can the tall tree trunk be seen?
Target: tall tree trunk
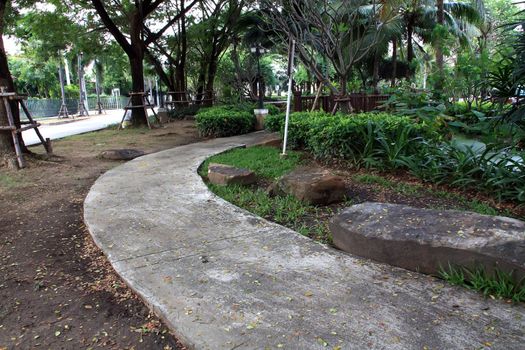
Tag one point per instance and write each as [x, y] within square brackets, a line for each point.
[212, 72]
[183, 52]
[439, 51]
[135, 48]
[375, 73]
[201, 81]
[137, 85]
[180, 82]
[394, 62]
[136, 60]
[166, 78]
[345, 107]
[7, 149]
[234, 54]
[410, 45]
[343, 89]
[484, 69]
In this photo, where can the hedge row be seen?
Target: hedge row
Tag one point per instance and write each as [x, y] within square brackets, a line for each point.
[351, 137]
[224, 121]
[228, 120]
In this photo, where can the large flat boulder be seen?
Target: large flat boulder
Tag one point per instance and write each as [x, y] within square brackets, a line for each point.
[425, 240]
[221, 174]
[312, 185]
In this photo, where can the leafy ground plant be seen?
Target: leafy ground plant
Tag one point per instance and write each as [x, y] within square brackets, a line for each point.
[500, 284]
[387, 142]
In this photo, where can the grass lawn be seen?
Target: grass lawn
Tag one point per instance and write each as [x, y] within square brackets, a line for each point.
[268, 164]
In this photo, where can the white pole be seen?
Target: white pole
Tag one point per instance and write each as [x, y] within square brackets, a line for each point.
[289, 98]
[66, 67]
[85, 92]
[157, 91]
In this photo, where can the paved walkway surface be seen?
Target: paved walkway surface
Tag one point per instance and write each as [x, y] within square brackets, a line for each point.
[63, 129]
[223, 278]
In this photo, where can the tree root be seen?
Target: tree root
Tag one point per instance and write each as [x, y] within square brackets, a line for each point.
[9, 161]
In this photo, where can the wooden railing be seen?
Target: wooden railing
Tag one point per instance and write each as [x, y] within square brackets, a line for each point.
[178, 99]
[359, 102]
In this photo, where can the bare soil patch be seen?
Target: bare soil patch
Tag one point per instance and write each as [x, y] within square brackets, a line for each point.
[57, 289]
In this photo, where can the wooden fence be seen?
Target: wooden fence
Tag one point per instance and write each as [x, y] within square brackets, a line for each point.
[360, 102]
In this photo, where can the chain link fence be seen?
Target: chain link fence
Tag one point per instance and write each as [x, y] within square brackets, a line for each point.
[45, 108]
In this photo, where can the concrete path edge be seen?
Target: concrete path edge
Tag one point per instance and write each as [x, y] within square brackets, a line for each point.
[241, 282]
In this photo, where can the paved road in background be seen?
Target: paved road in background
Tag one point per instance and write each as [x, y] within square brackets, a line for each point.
[57, 131]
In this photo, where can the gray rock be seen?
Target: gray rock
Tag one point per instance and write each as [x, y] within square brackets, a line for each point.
[425, 240]
[121, 154]
[221, 174]
[311, 185]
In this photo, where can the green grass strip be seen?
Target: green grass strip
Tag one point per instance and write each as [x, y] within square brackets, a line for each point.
[265, 161]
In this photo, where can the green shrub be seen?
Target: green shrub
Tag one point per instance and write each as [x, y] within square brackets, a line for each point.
[224, 121]
[384, 141]
[363, 138]
[299, 125]
[244, 106]
[274, 122]
[272, 109]
[461, 108]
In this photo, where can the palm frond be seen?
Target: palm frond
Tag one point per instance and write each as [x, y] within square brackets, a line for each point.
[463, 11]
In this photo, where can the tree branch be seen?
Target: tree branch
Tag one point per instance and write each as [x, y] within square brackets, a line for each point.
[157, 35]
[112, 27]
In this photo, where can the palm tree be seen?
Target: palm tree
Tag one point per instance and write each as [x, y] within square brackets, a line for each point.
[440, 14]
[421, 17]
[517, 113]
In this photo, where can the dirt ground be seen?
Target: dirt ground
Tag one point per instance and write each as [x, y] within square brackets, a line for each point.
[57, 290]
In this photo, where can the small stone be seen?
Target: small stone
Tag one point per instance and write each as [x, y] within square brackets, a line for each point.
[121, 154]
[312, 185]
[221, 174]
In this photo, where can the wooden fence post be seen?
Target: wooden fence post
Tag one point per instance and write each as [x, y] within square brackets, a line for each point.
[297, 101]
[326, 103]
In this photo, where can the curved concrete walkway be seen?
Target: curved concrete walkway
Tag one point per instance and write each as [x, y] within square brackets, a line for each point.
[223, 278]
